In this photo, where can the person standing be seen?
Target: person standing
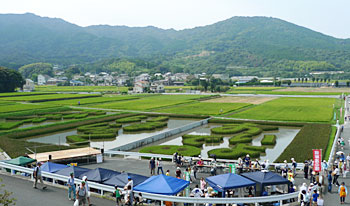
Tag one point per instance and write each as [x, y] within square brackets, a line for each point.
[314, 198]
[81, 194]
[343, 191]
[306, 170]
[38, 177]
[195, 170]
[152, 166]
[294, 167]
[203, 184]
[330, 181]
[130, 187]
[117, 195]
[87, 189]
[71, 187]
[160, 166]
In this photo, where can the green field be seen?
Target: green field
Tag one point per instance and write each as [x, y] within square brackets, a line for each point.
[92, 100]
[13, 94]
[207, 108]
[49, 97]
[80, 89]
[20, 107]
[292, 109]
[149, 102]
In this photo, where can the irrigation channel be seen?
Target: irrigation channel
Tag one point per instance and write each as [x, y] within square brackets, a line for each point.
[172, 135]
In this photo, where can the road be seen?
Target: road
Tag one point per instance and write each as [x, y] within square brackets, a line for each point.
[27, 196]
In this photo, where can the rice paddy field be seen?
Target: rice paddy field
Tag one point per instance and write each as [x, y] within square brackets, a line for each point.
[149, 102]
[15, 107]
[292, 109]
[80, 89]
[289, 90]
[92, 100]
[39, 98]
[206, 108]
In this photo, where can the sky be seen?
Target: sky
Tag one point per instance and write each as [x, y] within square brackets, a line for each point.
[331, 17]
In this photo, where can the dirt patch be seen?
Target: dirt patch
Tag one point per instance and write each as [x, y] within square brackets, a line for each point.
[308, 89]
[250, 100]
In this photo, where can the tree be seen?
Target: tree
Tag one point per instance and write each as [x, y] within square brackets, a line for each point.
[5, 197]
[336, 83]
[10, 80]
[348, 83]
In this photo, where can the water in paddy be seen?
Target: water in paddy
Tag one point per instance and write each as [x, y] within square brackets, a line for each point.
[122, 138]
[285, 135]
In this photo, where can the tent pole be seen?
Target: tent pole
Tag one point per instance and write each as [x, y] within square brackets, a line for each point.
[161, 203]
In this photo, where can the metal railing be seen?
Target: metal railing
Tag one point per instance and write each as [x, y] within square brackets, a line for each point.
[105, 188]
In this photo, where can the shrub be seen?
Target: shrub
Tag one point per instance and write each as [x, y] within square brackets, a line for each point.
[268, 140]
[131, 119]
[159, 119]
[184, 150]
[239, 151]
[199, 140]
[144, 126]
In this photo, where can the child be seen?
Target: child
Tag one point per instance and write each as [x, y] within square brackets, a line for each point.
[343, 191]
[117, 196]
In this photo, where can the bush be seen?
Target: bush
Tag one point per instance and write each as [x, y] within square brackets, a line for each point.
[311, 136]
[239, 151]
[184, 150]
[144, 126]
[199, 140]
[131, 119]
[268, 140]
[159, 119]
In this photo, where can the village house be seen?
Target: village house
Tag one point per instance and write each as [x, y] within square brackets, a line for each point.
[42, 79]
[141, 86]
[29, 86]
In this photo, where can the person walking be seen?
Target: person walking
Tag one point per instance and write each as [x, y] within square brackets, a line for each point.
[294, 167]
[195, 170]
[87, 189]
[343, 191]
[336, 174]
[117, 195]
[152, 166]
[330, 181]
[37, 176]
[160, 166]
[71, 187]
[203, 184]
[306, 170]
[130, 187]
[81, 194]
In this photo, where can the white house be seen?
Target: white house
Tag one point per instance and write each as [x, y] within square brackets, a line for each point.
[140, 86]
[29, 86]
[157, 87]
[42, 79]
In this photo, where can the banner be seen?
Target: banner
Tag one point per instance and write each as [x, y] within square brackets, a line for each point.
[317, 153]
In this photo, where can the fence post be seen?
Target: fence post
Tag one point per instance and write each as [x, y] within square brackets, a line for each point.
[281, 202]
[101, 192]
[161, 203]
[256, 204]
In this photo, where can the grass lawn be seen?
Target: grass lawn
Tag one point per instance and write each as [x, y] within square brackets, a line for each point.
[205, 108]
[49, 97]
[292, 109]
[20, 107]
[149, 102]
[80, 89]
[92, 100]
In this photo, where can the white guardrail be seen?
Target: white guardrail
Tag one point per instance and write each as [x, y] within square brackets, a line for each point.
[105, 188]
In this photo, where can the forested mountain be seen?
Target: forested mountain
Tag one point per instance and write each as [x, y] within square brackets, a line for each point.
[239, 45]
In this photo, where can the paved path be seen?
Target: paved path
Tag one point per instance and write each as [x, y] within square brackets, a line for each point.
[27, 196]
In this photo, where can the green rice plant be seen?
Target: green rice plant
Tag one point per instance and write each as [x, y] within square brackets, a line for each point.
[241, 138]
[159, 119]
[10, 125]
[131, 119]
[52, 116]
[38, 120]
[76, 140]
[81, 115]
[262, 123]
[240, 150]
[93, 100]
[311, 136]
[49, 97]
[268, 139]
[199, 140]
[16, 107]
[237, 128]
[144, 126]
[184, 150]
[38, 111]
[330, 143]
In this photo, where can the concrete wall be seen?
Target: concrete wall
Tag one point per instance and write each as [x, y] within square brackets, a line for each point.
[160, 136]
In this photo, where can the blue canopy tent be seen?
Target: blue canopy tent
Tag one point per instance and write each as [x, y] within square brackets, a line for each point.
[228, 181]
[121, 179]
[266, 178]
[52, 167]
[99, 175]
[72, 169]
[162, 184]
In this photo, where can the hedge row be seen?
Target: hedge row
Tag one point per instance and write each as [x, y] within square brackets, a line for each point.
[184, 150]
[11, 125]
[239, 151]
[192, 116]
[131, 119]
[59, 126]
[144, 126]
[76, 116]
[199, 140]
[76, 140]
[311, 136]
[237, 128]
[269, 139]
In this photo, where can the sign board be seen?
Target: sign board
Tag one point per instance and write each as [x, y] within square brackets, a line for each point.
[99, 158]
[317, 154]
[232, 168]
